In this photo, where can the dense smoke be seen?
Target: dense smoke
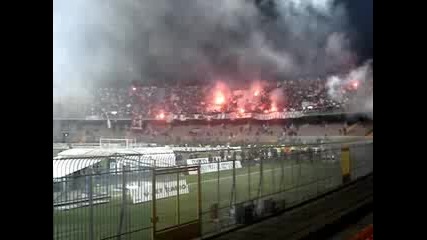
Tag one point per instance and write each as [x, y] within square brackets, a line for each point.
[277, 98]
[171, 40]
[362, 79]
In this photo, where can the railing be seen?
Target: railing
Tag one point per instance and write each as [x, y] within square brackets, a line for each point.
[94, 198]
[220, 116]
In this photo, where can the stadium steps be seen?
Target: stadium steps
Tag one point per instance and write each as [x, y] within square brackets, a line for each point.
[356, 129]
[352, 127]
[306, 220]
[318, 130]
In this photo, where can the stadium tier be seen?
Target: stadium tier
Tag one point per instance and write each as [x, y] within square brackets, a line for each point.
[211, 132]
[258, 100]
[259, 112]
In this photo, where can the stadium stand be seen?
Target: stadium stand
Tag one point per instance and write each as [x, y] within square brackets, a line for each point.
[259, 112]
[152, 102]
[204, 132]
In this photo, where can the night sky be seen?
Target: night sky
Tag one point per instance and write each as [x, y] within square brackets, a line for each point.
[361, 19]
[360, 13]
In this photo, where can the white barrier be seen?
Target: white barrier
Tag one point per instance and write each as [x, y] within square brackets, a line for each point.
[202, 149]
[197, 161]
[213, 167]
[164, 189]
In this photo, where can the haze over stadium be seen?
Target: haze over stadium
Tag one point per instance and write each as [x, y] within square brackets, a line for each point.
[233, 41]
[263, 103]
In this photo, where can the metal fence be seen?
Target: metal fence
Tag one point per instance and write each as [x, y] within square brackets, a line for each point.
[112, 197]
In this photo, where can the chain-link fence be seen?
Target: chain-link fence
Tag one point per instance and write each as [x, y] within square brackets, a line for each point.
[111, 197]
[92, 197]
[265, 180]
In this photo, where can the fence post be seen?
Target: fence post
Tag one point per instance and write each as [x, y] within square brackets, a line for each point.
[273, 164]
[199, 199]
[298, 156]
[90, 192]
[65, 188]
[292, 159]
[282, 176]
[53, 216]
[345, 164]
[261, 174]
[107, 177]
[153, 204]
[177, 199]
[317, 171]
[234, 180]
[123, 210]
[249, 172]
[218, 188]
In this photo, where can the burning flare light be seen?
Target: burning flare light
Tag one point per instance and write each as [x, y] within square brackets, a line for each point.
[219, 98]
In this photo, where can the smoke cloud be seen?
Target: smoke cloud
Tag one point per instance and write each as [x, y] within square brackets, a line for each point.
[362, 77]
[170, 40]
[277, 97]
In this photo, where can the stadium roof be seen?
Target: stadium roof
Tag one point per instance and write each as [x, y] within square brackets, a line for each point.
[104, 152]
[200, 149]
[76, 159]
[64, 167]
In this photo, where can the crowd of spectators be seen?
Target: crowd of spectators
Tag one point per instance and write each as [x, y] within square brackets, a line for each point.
[113, 101]
[149, 102]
